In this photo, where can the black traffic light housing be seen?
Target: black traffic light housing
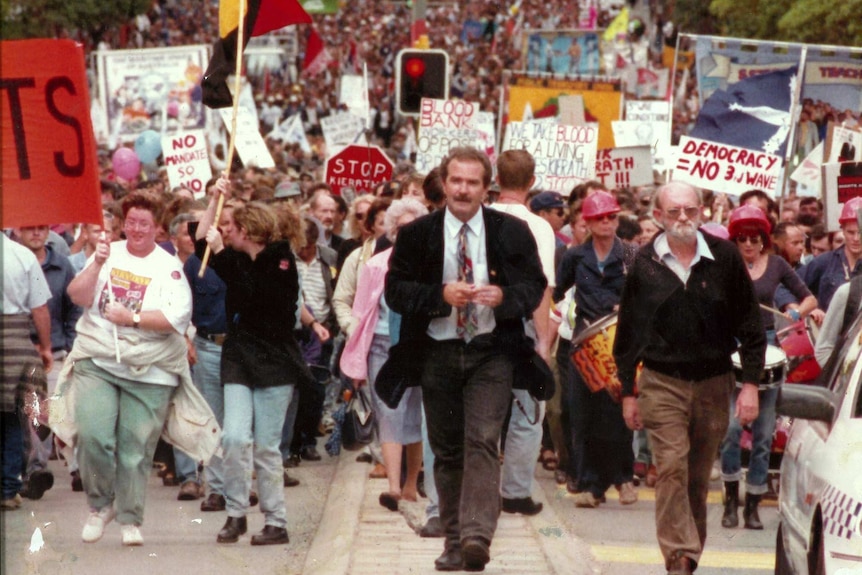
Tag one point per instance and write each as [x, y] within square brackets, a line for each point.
[420, 74]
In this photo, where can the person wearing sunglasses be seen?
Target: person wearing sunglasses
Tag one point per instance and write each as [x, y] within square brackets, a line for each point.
[600, 450]
[749, 228]
[687, 305]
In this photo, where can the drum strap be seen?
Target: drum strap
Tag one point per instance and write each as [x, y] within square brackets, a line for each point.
[854, 298]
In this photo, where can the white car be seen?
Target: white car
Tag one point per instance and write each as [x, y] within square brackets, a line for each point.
[820, 494]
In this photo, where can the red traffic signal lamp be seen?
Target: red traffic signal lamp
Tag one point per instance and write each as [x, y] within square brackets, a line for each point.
[420, 74]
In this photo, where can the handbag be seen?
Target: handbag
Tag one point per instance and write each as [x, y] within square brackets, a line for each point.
[357, 429]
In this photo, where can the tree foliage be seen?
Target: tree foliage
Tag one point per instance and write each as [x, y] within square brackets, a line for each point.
[54, 18]
[837, 22]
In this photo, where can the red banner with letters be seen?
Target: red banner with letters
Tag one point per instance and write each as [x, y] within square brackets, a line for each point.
[50, 170]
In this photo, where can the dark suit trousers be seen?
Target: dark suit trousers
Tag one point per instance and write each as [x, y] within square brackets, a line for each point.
[466, 390]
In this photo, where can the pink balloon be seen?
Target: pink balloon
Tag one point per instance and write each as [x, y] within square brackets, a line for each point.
[126, 163]
[173, 108]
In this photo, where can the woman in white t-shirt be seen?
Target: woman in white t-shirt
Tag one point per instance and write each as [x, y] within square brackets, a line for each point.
[137, 306]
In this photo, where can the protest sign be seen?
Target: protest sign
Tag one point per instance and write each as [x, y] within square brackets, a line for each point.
[808, 174]
[654, 134]
[343, 128]
[358, 167]
[647, 111]
[152, 89]
[624, 167]
[842, 144]
[572, 110]
[249, 143]
[841, 182]
[49, 165]
[187, 161]
[565, 155]
[725, 168]
[532, 98]
[570, 52]
[445, 124]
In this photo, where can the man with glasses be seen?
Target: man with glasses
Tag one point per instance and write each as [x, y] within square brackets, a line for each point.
[687, 301]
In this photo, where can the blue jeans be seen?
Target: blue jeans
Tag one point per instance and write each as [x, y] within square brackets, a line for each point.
[13, 453]
[433, 507]
[466, 391]
[523, 441]
[253, 421]
[761, 445]
[206, 375]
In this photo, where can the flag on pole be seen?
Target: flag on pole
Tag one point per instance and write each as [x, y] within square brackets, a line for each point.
[261, 16]
[619, 25]
[753, 113]
[316, 57]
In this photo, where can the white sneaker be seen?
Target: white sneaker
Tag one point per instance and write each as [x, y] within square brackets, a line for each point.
[95, 525]
[132, 535]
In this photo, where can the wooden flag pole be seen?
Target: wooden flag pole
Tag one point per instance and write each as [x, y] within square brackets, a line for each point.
[232, 145]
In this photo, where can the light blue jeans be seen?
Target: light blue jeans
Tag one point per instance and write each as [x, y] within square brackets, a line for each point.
[206, 375]
[433, 508]
[761, 445]
[523, 441]
[253, 420]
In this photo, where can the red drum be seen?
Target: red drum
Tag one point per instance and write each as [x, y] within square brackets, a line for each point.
[797, 341]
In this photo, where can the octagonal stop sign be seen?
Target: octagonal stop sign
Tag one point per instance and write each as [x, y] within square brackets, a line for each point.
[358, 167]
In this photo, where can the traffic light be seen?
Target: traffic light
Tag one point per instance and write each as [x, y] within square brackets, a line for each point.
[420, 74]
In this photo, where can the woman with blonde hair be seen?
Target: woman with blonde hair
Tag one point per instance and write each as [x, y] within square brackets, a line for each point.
[261, 360]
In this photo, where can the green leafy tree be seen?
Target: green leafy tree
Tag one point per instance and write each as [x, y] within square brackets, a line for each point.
[54, 18]
[812, 21]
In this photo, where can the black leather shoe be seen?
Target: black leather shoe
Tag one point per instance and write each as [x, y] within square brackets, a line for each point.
[450, 560]
[38, 483]
[214, 502]
[271, 535]
[522, 505]
[432, 528]
[291, 461]
[310, 454]
[233, 528]
[364, 458]
[290, 481]
[476, 552]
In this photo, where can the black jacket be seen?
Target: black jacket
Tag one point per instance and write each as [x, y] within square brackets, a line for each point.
[689, 331]
[414, 288]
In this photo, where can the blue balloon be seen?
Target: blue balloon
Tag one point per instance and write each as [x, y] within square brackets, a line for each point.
[148, 146]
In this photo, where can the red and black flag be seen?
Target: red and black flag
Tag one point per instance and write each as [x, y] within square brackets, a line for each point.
[261, 16]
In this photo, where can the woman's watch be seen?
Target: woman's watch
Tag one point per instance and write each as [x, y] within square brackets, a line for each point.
[136, 320]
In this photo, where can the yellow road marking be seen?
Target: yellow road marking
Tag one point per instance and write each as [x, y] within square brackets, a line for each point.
[710, 558]
[648, 494]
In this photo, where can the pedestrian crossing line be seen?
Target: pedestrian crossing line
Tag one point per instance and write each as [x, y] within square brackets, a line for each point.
[718, 558]
[647, 494]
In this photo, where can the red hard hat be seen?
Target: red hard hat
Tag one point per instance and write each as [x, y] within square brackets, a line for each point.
[598, 204]
[748, 216]
[848, 212]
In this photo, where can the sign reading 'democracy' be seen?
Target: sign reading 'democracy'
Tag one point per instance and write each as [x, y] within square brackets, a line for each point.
[445, 124]
[565, 155]
[725, 168]
[187, 161]
[624, 167]
[249, 143]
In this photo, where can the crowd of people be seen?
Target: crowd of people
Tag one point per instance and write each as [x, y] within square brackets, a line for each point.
[452, 300]
[428, 317]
